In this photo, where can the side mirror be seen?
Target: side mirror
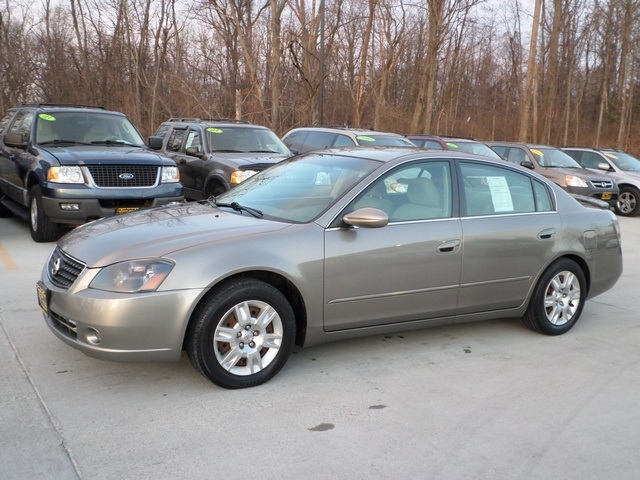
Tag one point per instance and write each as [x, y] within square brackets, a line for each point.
[155, 143]
[527, 164]
[604, 166]
[194, 152]
[15, 140]
[366, 217]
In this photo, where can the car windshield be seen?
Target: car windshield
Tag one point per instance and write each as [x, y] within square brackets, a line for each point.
[245, 139]
[624, 161]
[553, 157]
[300, 189]
[90, 128]
[372, 140]
[473, 147]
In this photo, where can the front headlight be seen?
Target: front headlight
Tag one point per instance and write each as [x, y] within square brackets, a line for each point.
[240, 176]
[573, 181]
[65, 175]
[170, 175]
[133, 276]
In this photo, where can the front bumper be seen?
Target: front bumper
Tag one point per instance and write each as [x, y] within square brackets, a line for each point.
[118, 327]
[76, 211]
[608, 196]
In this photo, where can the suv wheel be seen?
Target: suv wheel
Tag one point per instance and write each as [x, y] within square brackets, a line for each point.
[42, 229]
[628, 202]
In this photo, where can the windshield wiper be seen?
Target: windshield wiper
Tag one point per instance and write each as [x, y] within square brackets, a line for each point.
[237, 207]
[227, 150]
[62, 142]
[114, 142]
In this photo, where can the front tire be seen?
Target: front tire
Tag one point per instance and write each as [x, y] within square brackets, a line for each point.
[42, 229]
[628, 204]
[558, 299]
[242, 335]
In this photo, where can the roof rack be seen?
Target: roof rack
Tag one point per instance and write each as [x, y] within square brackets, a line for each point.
[202, 120]
[76, 105]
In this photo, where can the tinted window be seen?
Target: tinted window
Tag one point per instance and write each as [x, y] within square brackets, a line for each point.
[343, 141]
[490, 190]
[591, 160]
[316, 140]
[175, 140]
[162, 130]
[295, 140]
[517, 155]
[5, 121]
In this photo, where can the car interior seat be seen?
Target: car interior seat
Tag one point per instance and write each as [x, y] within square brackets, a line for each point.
[424, 201]
[376, 197]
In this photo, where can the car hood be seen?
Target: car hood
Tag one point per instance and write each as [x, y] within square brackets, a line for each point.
[159, 232]
[101, 154]
[582, 172]
[248, 158]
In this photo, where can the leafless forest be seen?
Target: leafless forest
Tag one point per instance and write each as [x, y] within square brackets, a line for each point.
[554, 71]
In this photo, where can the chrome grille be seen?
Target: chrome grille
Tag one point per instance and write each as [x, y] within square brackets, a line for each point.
[123, 176]
[602, 184]
[63, 269]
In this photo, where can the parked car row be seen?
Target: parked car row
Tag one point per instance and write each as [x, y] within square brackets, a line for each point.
[610, 175]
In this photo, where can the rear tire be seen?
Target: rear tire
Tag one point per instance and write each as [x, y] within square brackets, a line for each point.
[628, 204]
[42, 229]
[558, 299]
[242, 335]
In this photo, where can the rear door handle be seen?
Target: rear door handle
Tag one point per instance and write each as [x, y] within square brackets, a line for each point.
[547, 234]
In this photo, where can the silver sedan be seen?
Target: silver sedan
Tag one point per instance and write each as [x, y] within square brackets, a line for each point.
[324, 246]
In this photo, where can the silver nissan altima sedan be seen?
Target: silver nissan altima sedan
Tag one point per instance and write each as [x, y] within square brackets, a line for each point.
[327, 245]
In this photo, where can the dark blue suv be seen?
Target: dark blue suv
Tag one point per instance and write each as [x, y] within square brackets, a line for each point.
[64, 165]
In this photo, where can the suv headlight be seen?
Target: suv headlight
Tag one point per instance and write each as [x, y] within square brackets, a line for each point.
[170, 175]
[240, 176]
[134, 276]
[574, 181]
[65, 175]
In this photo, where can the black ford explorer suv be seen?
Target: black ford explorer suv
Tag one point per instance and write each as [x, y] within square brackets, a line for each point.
[214, 155]
[64, 165]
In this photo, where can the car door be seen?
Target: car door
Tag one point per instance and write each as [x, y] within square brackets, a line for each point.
[16, 162]
[509, 227]
[176, 146]
[407, 270]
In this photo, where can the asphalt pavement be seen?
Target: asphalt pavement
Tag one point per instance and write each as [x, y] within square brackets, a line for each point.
[486, 400]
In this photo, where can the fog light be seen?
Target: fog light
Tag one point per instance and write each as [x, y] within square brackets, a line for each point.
[70, 206]
[93, 336]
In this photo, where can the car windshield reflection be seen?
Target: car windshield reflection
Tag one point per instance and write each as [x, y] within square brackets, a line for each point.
[299, 190]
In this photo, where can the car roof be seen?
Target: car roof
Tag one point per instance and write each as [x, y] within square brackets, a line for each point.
[341, 128]
[231, 122]
[387, 154]
[67, 107]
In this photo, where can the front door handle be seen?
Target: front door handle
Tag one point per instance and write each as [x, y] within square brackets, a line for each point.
[450, 246]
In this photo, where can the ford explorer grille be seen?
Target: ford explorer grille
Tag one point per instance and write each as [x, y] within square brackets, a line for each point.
[602, 184]
[63, 269]
[123, 176]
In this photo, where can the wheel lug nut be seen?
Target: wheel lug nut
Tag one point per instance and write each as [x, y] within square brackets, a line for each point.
[239, 335]
[247, 327]
[241, 345]
[252, 344]
[256, 333]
